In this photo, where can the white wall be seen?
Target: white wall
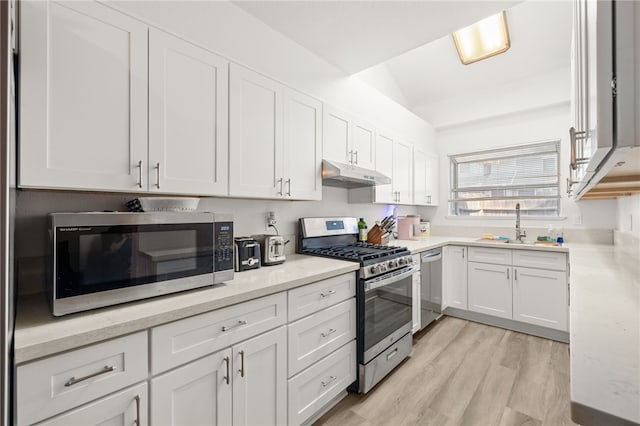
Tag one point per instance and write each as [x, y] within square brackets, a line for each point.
[231, 32]
[541, 124]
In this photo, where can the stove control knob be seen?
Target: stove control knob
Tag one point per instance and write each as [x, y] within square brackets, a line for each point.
[409, 260]
[374, 269]
[392, 264]
[383, 267]
[402, 261]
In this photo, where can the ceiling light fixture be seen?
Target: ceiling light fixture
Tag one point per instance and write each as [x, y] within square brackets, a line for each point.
[483, 39]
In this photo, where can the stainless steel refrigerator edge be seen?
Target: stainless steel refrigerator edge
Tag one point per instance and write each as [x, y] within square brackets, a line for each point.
[7, 205]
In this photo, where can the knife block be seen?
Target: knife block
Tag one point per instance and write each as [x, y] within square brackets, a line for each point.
[377, 236]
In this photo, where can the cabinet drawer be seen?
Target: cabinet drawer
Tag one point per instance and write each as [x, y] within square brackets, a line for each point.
[128, 407]
[540, 259]
[182, 341]
[55, 384]
[490, 255]
[310, 390]
[318, 335]
[314, 297]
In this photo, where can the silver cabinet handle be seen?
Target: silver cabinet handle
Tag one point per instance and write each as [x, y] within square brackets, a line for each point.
[140, 174]
[231, 327]
[106, 369]
[226, 378]
[515, 274]
[280, 182]
[289, 187]
[463, 253]
[158, 175]
[328, 333]
[356, 157]
[137, 420]
[392, 354]
[507, 273]
[327, 294]
[328, 382]
[573, 139]
[241, 364]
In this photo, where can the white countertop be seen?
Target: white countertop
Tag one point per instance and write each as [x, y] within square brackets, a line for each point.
[605, 330]
[417, 246]
[39, 334]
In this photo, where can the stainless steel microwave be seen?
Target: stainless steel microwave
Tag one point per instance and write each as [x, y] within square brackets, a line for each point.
[100, 259]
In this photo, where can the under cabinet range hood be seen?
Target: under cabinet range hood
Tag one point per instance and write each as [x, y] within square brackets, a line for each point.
[349, 176]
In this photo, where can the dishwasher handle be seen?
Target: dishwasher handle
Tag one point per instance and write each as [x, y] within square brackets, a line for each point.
[431, 256]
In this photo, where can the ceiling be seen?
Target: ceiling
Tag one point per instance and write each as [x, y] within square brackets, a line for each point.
[404, 48]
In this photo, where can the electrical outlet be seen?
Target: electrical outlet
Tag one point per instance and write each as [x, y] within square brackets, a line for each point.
[577, 219]
[271, 218]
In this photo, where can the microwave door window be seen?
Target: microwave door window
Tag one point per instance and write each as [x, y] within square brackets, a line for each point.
[103, 258]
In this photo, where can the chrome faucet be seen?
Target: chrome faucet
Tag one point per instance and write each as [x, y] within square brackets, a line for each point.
[520, 234]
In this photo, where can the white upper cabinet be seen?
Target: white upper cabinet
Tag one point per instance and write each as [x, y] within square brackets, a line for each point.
[302, 146]
[255, 135]
[83, 103]
[384, 165]
[275, 140]
[348, 139]
[425, 178]
[363, 144]
[188, 138]
[402, 158]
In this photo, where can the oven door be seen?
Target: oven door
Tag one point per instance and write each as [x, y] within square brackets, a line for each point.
[387, 309]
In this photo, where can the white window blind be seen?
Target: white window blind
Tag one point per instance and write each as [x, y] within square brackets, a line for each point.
[490, 183]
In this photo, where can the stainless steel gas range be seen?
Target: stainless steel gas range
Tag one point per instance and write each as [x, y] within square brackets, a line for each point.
[383, 293]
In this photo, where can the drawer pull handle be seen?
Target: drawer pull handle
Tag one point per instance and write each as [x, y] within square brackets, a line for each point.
[392, 354]
[327, 294]
[137, 420]
[328, 382]
[226, 378]
[106, 369]
[231, 327]
[140, 174]
[241, 364]
[328, 333]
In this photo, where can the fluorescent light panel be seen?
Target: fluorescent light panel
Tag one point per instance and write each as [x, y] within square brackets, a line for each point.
[483, 39]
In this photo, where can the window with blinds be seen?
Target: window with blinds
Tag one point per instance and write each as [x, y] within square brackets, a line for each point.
[490, 183]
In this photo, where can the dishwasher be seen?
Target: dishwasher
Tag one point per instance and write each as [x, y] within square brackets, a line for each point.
[430, 286]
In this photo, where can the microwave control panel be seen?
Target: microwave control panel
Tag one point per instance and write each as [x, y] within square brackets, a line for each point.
[223, 242]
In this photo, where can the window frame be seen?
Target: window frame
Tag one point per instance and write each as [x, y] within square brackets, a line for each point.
[494, 154]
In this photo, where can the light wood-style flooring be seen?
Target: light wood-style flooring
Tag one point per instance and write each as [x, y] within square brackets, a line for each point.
[465, 373]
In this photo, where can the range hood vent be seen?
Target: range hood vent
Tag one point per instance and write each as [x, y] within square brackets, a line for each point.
[349, 176]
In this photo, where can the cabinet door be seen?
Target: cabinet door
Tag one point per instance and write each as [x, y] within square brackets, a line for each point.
[420, 178]
[336, 135]
[125, 408]
[490, 289]
[260, 380]
[415, 309]
[255, 135]
[302, 146]
[188, 106]
[540, 297]
[198, 393]
[402, 159]
[363, 144]
[384, 165]
[433, 179]
[83, 97]
[454, 280]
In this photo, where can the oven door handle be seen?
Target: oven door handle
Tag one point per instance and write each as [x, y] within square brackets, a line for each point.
[392, 279]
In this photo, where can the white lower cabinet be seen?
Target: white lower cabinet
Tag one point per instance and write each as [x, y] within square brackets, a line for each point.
[454, 277]
[490, 289]
[125, 408]
[242, 385]
[198, 393]
[312, 389]
[260, 380]
[540, 297]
